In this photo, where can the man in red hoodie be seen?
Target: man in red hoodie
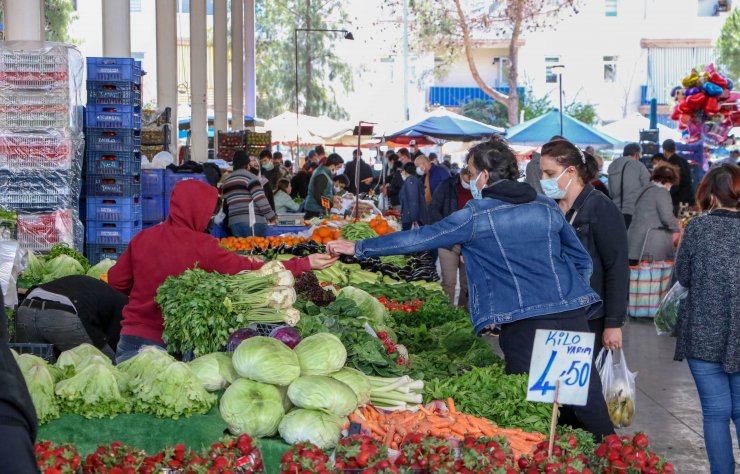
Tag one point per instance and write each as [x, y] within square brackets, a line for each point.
[170, 248]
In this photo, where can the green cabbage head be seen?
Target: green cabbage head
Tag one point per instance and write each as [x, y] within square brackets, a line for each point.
[214, 370]
[266, 360]
[318, 392]
[321, 354]
[318, 427]
[357, 381]
[253, 408]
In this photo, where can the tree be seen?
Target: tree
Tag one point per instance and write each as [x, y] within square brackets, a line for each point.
[443, 25]
[496, 114]
[586, 113]
[319, 71]
[728, 44]
[59, 14]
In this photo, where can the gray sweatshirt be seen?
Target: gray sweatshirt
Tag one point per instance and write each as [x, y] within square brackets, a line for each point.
[628, 176]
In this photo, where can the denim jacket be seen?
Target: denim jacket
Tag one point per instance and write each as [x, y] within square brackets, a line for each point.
[522, 259]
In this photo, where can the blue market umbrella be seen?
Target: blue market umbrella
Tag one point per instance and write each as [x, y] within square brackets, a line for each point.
[539, 130]
[447, 125]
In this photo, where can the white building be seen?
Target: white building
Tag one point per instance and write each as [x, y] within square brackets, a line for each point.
[618, 54]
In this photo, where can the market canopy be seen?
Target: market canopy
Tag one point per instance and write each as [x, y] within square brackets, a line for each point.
[539, 130]
[445, 125]
[286, 129]
[628, 129]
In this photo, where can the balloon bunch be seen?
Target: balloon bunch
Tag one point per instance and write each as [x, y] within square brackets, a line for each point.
[706, 106]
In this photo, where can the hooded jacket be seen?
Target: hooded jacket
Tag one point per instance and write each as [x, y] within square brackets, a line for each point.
[170, 248]
[522, 258]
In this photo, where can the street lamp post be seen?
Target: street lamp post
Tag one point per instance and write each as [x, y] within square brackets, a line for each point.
[347, 35]
[559, 69]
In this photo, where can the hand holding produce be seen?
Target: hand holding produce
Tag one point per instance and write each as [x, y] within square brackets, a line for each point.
[341, 247]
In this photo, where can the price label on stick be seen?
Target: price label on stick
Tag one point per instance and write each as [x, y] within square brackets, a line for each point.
[563, 356]
[325, 203]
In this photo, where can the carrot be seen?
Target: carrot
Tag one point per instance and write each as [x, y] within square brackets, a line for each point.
[451, 406]
[389, 436]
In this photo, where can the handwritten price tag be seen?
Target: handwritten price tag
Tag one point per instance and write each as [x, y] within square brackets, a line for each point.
[564, 356]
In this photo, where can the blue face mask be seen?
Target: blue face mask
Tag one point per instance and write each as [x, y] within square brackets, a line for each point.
[477, 193]
[551, 189]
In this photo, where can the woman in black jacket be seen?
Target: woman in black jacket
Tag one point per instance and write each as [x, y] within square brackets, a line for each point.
[567, 173]
[395, 181]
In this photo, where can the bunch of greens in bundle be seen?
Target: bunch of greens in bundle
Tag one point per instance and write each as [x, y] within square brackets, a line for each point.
[165, 387]
[201, 309]
[40, 378]
[94, 389]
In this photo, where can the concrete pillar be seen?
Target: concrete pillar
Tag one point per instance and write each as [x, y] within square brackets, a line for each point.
[166, 18]
[116, 28]
[198, 82]
[220, 66]
[237, 64]
[24, 20]
[250, 72]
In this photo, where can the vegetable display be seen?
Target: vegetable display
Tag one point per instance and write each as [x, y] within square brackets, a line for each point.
[215, 371]
[318, 427]
[266, 360]
[319, 392]
[321, 354]
[359, 231]
[97, 390]
[40, 383]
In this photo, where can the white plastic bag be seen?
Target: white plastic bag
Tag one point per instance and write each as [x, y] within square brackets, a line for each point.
[618, 385]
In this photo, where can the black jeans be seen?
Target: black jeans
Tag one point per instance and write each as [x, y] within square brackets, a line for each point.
[517, 340]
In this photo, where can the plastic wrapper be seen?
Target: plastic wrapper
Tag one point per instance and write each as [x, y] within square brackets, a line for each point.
[41, 150]
[40, 231]
[155, 118]
[40, 190]
[618, 385]
[666, 319]
[12, 263]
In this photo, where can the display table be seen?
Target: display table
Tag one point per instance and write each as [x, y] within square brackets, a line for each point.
[274, 230]
[150, 434]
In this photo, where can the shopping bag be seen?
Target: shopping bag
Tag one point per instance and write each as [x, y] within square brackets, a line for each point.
[666, 318]
[649, 282]
[618, 386]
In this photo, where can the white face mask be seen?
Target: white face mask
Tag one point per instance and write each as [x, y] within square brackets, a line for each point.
[464, 184]
[337, 189]
[419, 171]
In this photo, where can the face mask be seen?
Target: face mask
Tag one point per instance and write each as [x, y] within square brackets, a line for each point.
[404, 176]
[267, 166]
[477, 193]
[419, 171]
[551, 189]
[337, 189]
[464, 184]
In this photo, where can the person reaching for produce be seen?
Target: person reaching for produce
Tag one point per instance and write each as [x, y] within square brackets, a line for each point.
[321, 186]
[566, 176]
[283, 202]
[539, 277]
[70, 311]
[178, 244]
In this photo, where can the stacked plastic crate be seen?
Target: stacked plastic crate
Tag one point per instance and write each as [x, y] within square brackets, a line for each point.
[152, 196]
[113, 156]
[41, 142]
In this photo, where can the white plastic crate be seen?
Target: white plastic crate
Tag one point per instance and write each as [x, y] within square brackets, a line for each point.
[40, 231]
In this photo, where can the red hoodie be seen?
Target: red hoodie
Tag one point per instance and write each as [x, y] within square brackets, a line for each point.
[170, 248]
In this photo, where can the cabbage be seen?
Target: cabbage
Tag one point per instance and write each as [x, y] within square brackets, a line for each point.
[323, 393]
[287, 404]
[253, 408]
[61, 266]
[369, 305]
[101, 268]
[40, 383]
[320, 428]
[288, 335]
[97, 391]
[214, 371]
[321, 354]
[71, 359]
[34, 272]
[172, 392]
[238, 336]
[357, 381]
[266, 360]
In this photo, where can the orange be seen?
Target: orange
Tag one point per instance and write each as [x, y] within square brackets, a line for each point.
[324, 232]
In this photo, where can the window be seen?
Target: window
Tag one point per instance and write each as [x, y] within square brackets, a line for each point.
[610, 7]
[610, 68]
[551, 76]
[135, 6]
[183, 6]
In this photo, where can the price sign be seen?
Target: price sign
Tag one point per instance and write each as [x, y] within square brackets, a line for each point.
[325, 203]
[560, 356]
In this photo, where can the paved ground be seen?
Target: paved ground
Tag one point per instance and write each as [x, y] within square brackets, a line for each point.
[668, 408]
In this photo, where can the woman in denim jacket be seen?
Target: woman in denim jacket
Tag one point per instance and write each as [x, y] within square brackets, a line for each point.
[526, 268]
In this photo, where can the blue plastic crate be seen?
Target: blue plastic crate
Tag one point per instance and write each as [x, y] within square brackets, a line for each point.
[108, 208]
[116, 186]
[97, 252]
[114, 163]
[114, 69]
[101, 139]
[152, 208]
[111, 232]
[113, 116]
[152, 182]
[113, 93]
[174, 178]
